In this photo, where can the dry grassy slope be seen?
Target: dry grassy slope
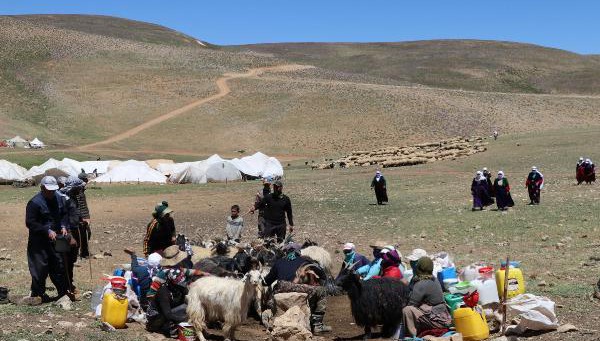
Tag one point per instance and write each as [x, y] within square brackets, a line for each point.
[457, 64]
[77, 79]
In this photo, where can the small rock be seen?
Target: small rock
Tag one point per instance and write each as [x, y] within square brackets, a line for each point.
[559, 245]
[544, 238]
[107, 254]
[65, 303]
[87, 294]
[476, 227]
[565, 328]
[65, 324]
[107, 327]
[98, 256]
[80, 325]
[542, 284]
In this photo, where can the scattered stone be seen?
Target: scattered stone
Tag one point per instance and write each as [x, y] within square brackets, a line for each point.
[107, 254]
[107, 327]
[65, 303]
[87, 294]
[286, 301]
[98, 256]
[80, 325]
[476, 227]
[65, 324]
[545, 238]
[565, 328]
[542, 284]
[559, 245]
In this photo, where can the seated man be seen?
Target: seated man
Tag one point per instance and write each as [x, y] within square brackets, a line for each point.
[284, 272]
[426, 309]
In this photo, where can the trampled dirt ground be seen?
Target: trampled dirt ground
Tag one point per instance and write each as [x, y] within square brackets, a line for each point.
[557, 242]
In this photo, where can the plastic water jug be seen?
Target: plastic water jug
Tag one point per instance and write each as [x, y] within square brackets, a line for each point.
[516, 282]
[114, 310]
[471, 324]
[446, 273]
[488, 292]
[470, 273]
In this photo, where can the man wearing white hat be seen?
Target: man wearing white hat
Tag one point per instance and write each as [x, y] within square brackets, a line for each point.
[46, 217]
[351, 257]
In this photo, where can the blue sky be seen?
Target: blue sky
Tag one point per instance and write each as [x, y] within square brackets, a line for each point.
[569, 25]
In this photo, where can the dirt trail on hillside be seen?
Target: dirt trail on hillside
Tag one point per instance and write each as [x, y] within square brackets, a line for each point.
[223, 90]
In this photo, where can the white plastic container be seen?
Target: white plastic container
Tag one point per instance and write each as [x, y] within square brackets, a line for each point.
[488, 292]
[470, 273]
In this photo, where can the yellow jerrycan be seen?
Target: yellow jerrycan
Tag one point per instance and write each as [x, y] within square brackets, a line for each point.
[114, 310]
[471, 324]
[516, 282]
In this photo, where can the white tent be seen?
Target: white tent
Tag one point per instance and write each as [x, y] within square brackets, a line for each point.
[101, 167]
[36, 143]
[273, 168]
[171, 168]
[132, 171]
[190, 172]
[260, 164]
[10, 172]
[18, 142]
[222, 171]
[51, 167]
[245, 167]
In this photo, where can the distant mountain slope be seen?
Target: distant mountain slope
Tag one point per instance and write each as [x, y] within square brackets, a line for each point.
[456, 64]
[112, 27]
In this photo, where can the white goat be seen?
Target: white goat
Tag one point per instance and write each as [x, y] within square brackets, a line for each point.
[319, 255]
[227, 300]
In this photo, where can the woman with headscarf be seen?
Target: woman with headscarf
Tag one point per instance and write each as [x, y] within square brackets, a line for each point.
[380, 187]
[534, 184]
[160, 232]
[353, 258]
[390, 263]
[372, 269]
[426, 309]
[166, 296]
[502, 189]
[479, 190]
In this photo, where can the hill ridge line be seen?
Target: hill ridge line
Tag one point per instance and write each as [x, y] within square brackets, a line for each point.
[223, 90]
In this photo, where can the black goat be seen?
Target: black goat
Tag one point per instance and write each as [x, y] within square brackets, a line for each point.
[375, 302]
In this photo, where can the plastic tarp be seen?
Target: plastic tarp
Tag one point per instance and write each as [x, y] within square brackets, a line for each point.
[222, 171]
[132, 171]
[10, 172]
[246, 168]
[51, 167]
[260, 164]
[171, 168]
[272, 168]
[190, 172]
[534, 312]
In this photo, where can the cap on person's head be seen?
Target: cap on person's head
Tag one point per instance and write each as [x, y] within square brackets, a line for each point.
[349, 246]
[533, 168]
[416, 254]
[378, 245]
[154, 259]
[162, 209]
[172, 256]
[292, 247]
[484, 169]
[278, 183]
[49, 183]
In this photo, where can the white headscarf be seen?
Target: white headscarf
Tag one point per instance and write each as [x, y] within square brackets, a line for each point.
[500, 175]
[377, 175]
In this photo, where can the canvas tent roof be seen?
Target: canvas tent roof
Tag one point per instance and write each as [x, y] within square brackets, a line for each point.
[51, 167]
[101, 167]
[132, 171]
[17, 139]
[213, 169]
[10, 172]
[259, 164]
[36, 143]
[222, 171]
[190, 172]
[153, 163]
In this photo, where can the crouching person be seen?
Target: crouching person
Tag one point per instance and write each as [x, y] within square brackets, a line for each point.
[426, 309]
[284, 271]
[166, 297]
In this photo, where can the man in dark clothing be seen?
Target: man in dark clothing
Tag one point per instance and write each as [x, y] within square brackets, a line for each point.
[266, 190]
[284, 271]
[276, 206]
[69, 188]
[85, 232]
[46, 217]
[160, 233]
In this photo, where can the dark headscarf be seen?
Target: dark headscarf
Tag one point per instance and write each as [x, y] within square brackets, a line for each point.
[424, 269]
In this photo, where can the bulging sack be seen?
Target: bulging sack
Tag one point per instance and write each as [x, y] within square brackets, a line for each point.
[535, 312]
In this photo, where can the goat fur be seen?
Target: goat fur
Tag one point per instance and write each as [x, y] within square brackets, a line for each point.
[227, 300]
[319, 255]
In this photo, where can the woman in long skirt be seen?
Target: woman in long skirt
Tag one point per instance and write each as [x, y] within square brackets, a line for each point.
[479, 190]
[502, 188]
[380, 187]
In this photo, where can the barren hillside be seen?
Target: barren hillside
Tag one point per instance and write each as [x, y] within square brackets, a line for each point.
[76, 80]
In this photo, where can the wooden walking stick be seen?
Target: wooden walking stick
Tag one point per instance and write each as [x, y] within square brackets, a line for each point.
[505, 295]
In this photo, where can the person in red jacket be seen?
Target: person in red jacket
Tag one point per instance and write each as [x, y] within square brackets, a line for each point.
[390, 264]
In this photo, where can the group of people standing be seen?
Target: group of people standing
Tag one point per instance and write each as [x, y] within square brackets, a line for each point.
[57, 219]
[585, 171]
[484, 190]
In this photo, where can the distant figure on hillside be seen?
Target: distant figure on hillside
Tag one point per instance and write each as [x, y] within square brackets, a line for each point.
[480, 192]
[380, 186]
[534, 184]
[579, 170]
[589, 171]
[502, 189]
[276, 206]
[495, 135]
